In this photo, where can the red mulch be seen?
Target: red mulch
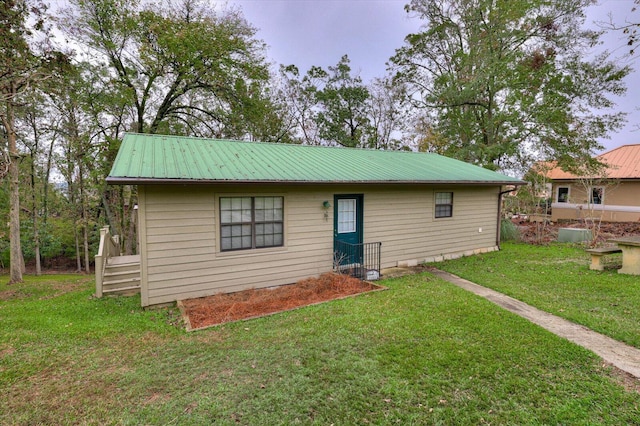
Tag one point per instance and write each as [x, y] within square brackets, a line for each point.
[222, 308]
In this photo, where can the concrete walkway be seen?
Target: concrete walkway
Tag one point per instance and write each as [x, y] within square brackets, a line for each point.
[622, 356]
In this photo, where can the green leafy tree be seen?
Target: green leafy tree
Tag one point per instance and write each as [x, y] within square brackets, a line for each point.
[500, 81]
[343, 118]
[333, 106]
[93, 118]
[167, 67]
[181, 67]
[39, 146]
[22, 69]
[299, 94]
[388, 115]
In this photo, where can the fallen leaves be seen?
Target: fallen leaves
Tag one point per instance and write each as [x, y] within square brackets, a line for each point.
[222, 308]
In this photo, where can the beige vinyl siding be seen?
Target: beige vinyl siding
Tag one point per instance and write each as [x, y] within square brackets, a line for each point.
[142, 241]
[179, 242]
[405, 224]
[183, 260]
[621, 202]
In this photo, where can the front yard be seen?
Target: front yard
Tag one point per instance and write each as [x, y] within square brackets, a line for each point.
[557, 280]
[423, 352]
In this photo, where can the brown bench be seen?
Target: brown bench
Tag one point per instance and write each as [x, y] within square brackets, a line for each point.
[596, 256]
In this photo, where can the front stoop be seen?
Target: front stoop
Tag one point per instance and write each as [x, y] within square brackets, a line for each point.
[122, 275]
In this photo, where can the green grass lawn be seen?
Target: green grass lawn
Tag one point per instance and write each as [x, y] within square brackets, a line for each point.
[557, 279]
[423, 352]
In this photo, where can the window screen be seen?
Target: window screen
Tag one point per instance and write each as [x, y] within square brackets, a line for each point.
[251, 222]
[444, 204]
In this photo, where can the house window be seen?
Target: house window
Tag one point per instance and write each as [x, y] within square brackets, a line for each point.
[597, 195]
[251, 222]
[444, 204]
[346, 216]
[563, 194]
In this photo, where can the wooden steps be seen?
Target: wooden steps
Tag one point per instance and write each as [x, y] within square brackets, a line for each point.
[122, 275]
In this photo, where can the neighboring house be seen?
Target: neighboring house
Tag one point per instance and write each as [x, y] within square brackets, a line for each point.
[613, 197]
[223, 216]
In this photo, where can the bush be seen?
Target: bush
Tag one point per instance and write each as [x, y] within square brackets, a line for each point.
[508, 231]
[56, 239]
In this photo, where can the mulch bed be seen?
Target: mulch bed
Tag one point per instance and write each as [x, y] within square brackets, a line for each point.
[222, 308]
[535, 233]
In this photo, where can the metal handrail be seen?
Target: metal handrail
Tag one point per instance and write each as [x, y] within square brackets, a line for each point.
[359, 260]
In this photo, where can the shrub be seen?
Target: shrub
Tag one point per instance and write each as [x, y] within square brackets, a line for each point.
[508, 231]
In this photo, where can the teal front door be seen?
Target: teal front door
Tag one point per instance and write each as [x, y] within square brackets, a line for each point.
[347, 229]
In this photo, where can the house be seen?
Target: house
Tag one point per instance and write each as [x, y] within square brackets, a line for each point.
[614, 196]
[223, 216]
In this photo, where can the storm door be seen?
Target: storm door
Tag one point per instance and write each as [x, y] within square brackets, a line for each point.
[347, 230]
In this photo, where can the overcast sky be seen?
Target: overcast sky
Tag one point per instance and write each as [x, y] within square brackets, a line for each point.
[319, 32]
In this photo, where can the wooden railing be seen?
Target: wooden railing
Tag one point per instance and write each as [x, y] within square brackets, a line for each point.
[109, 247]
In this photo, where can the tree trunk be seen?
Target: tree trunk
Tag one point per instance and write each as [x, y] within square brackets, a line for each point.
[78, 257]
[16, 260]
[132, 234]
[111, 220]
[38, 264]
[34, 211]
[36, 242]
[85, 232]
[45, 204]
[84, 220]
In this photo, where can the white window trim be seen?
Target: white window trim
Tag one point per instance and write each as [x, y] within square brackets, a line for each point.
[249, 252]
[557, 200]
[602, 198]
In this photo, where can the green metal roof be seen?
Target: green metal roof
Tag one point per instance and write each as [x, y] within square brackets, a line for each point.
[144, 158]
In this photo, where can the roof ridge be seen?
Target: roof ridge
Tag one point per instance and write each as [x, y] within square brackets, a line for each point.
[619, 147]
[197, 138]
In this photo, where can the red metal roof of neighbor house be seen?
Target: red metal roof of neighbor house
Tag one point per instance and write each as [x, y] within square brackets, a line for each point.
[623, 163]
[150, 159]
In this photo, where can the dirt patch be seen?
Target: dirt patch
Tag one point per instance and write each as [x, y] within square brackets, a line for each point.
[539, 233]
[405, 270]
[47, 289]
[223, 308]
[66, 287]
[9, 295]
[630, 383]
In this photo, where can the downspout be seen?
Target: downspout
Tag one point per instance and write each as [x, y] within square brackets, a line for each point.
[500, 194]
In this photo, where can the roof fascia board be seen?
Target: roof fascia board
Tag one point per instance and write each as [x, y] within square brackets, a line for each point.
[151, 181]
